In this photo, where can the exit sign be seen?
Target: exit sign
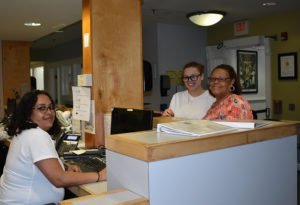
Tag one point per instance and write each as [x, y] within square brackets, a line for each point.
[241, 28]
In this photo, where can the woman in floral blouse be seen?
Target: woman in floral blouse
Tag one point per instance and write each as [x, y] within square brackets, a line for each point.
[225, 86]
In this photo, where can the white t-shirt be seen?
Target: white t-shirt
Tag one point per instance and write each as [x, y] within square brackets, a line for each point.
[186, 106]
[22, 182]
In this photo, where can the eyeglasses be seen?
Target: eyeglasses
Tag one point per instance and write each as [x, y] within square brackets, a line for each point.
[191, 78]
[44, 109]
[221, 80]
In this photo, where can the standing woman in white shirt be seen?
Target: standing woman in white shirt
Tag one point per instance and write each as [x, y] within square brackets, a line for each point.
[33, 173]
[194, 102]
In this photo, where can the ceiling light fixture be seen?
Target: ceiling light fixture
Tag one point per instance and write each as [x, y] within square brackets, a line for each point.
[269, 3]
[206, 18]
[32, 24]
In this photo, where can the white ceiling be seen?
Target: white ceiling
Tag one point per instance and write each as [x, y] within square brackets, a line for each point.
[57, 14]
[53, 14]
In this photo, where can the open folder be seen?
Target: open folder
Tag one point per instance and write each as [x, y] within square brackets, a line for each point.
[193, 127]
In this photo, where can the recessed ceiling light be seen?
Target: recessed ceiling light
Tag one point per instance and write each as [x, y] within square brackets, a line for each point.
[269, 4]
[32, 24]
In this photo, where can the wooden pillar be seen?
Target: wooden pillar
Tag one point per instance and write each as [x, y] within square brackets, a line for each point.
[114, 57]
[15, 68]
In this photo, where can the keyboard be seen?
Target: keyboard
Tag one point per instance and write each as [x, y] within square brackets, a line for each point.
[88, 164]
[100, 153]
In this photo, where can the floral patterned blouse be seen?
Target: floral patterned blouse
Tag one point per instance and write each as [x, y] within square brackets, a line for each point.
[233, 107]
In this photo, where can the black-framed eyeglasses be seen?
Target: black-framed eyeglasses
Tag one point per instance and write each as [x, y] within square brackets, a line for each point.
[191, 78]
[44, 109]
[221, 80]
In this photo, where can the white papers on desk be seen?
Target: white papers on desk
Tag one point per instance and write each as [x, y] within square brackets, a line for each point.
[109, 199]
[193, 127]
[78, 152]
[81, 103]
[95, 188]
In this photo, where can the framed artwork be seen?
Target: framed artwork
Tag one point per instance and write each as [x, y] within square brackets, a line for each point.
[247, 70]
[287, 66]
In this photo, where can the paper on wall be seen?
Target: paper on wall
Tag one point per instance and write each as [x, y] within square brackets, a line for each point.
[81, 103]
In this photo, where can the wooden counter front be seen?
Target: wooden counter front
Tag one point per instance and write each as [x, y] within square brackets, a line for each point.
[253, 166]
[151, 146]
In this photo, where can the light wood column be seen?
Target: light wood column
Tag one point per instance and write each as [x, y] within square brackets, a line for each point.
[15, 68]
[113, 56]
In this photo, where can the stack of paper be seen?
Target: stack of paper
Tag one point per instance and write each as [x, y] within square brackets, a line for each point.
[193, 127]
[244, 125]
[95, 188]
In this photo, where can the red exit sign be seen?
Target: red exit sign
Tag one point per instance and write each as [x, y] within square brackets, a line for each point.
[241, 28]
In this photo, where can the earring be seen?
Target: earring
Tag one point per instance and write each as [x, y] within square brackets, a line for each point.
[232, 88]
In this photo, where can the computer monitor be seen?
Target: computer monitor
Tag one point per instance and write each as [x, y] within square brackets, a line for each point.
[130, 120]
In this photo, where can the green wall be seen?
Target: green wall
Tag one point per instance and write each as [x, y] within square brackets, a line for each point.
[288, 91]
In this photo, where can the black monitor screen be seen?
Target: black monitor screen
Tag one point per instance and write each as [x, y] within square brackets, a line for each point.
[130, 120]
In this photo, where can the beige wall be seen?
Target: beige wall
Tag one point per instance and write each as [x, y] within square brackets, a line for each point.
[284, 90]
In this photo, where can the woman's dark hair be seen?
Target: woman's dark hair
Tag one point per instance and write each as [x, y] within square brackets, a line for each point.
[199, 66]
[232, 75]
[20, 119]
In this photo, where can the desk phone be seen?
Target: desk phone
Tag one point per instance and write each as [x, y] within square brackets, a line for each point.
[67, 142]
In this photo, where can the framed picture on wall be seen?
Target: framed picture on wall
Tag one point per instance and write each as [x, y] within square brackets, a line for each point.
[247, 70]
[287, 66]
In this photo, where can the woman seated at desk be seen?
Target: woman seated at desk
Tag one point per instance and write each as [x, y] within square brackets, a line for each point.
[194, 102]
[225, 86]
[33, 173]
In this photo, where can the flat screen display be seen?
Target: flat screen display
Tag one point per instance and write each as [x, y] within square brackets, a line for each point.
[130, 120]
[72, 137]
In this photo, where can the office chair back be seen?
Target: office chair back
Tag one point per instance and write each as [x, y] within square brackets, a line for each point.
[267, 112]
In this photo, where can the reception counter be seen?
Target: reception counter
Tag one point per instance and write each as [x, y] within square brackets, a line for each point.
[253, 166]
